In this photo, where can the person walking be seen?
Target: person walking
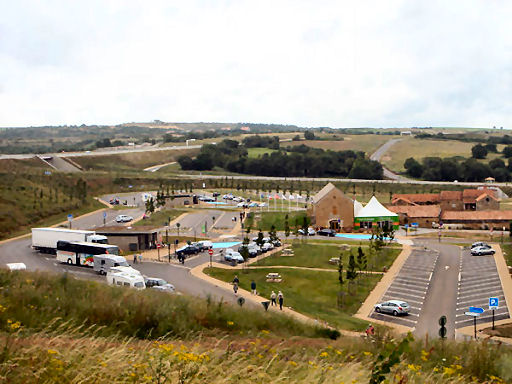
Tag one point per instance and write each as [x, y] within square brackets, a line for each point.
[134, 258]
[235, 280]
[235, 288]
[280, 299]
[140, 258]
[273, 299]
[370, 331]
[253, 287]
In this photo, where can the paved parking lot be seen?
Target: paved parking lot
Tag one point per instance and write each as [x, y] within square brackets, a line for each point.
[410, 285]
[478, 280]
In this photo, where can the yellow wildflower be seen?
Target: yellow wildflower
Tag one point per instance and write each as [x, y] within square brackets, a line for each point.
[413, 367]
[291, 362]
[338, 352]
[52, 352]
[448, 371]
[324, 354]
[230, 323]
[367, 353]
[265, 332]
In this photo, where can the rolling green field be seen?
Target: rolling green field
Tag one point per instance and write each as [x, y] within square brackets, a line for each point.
[257, 152]
[365, 143]
[317, 256]
[419, 148]
[313, 293]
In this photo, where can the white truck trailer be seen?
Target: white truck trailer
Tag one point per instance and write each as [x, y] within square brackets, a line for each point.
[45, 239]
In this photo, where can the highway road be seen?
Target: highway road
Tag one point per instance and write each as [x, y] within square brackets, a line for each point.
[99, 152]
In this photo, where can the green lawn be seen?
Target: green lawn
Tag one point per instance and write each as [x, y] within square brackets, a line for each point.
[257, 152]
[507, 252]
[159, 218]
[317, 256]
[313, 293]
[265, 220]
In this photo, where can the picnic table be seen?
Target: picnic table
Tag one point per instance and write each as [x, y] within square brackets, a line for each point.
[274, 277]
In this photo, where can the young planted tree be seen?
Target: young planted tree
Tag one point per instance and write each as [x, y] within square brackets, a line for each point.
[272, 233]
[150, 205]
[351, 270]
[341, 281]
[286, 227]
[259, 240]
[305, 224]
[360, 259]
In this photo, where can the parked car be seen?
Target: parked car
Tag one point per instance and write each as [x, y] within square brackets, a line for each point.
[123, 218]
[267, 247]
[310, 232]
[326, 232]
[253, 204]
[253, 252]
[160, 284]
[228, 197]
[238, 199]
[205, 244]
[480, 244]
[188, 249]
[276, 243]
[242, 205]
[216, 194]
[394, 307]
[233, 256]
[482, 251]
[261, 205]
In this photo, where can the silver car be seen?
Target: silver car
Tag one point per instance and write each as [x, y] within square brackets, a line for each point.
[394, 307]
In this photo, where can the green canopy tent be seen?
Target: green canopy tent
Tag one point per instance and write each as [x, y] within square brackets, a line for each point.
[375, 214]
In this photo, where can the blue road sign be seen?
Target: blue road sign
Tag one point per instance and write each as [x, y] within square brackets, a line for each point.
[476, 310]
[493, 303]
[70, 217]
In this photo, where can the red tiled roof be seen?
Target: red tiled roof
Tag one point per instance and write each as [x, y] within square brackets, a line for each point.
[417, 197]
[472, 195]
[477, 215]
[416, 210]
[450, 195]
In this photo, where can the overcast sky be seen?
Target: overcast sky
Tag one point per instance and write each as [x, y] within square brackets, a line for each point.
[311, 63]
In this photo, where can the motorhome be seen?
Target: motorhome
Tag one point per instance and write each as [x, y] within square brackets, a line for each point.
[103, 263]
[126, 279]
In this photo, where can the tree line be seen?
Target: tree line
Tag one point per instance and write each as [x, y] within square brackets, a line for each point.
[299, 161]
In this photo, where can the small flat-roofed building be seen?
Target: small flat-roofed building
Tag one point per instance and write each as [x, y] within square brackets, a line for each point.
[130, 238]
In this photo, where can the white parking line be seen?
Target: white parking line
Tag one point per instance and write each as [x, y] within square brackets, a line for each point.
[405, 294]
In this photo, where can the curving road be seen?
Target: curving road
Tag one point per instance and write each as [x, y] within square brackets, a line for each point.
[377, 155]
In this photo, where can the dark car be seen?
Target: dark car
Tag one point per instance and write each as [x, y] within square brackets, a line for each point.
[187, 250]
[326, 232]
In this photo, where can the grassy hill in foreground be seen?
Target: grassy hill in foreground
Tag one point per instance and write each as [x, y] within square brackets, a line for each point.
[48, 334]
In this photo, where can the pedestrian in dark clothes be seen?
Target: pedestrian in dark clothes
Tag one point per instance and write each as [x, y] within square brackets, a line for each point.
[273, 299]
[253, 287]
[134, 258]
[280, 299]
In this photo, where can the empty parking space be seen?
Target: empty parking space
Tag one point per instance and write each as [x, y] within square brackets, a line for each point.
[410, 285]
[478, 281]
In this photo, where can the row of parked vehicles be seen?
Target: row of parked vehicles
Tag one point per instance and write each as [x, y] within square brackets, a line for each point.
[253, 249]
[194, 248]
[321, 232]
[481, 249]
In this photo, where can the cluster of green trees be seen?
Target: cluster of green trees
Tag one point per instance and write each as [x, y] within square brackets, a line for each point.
[258, 141]
[294, 161]
[450, 169]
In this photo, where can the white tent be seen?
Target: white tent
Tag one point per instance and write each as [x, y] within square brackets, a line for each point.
[357, 207]
[374, 209]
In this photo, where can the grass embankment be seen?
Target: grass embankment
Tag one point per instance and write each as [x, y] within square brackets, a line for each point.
[313, 293]
[31, 200]
[317, 256]
[133, 161]
[257, 152]
[160, 218]
[41, 301]
[265, 220]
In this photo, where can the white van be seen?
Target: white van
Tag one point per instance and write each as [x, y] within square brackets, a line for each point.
[126, 279]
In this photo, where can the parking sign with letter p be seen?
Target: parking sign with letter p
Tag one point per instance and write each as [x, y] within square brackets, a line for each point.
[493, 303]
